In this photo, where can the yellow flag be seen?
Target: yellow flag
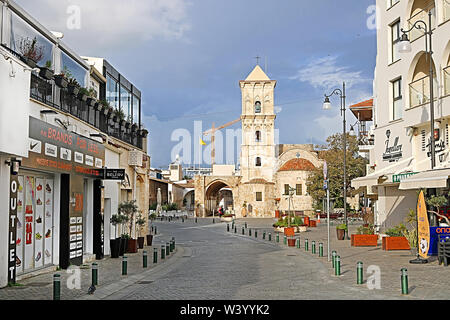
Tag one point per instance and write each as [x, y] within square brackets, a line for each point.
[202, 142]
[423, 227]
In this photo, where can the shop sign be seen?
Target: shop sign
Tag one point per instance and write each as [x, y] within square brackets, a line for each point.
[13, 190]
[423, 227]
[397, 178]
[392, 153]
[439, 147]
[435, 232]
[63, 151]
[114, 174]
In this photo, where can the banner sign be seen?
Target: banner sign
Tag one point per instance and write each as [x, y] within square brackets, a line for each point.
[13, 190]
[423, 227]
[60, 150]
[114, 174]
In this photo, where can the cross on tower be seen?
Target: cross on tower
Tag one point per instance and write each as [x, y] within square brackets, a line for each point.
[257, 59]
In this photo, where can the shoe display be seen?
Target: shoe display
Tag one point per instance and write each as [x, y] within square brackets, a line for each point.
[48, 202]
[47, 187]
[38, 236]
[48, 234]
[47, 253]
[39, 187]
[39, 202]
[47, 214]
[18, 262]
[18, 241]
[39, 220]
[38, 257]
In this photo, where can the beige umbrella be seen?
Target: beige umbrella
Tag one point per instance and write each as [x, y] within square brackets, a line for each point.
[158, 201]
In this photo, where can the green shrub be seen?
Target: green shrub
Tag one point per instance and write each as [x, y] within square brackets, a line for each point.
[366, 230]
[396, 231]
[342, 226]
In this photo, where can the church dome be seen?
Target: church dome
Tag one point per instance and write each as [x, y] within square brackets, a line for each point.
[297, 165]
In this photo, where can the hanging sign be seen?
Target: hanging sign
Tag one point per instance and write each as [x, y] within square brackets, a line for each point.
[423, 227]
[325, 176]
[13, 189]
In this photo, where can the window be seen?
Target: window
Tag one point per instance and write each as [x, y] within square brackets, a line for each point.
[259, 196]
[258, 107]
[298, 189]
[75, 69]
[136, 109]
[258, 136]
[395, 36]
[112, 91]
[397, 108]
[258, 162]
[286, 189]
[125, 101]
[392, 2]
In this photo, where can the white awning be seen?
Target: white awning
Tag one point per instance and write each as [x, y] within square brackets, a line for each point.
[367, 181]
[426, 179]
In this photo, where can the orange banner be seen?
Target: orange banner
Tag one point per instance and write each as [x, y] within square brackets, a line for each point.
[423, 227]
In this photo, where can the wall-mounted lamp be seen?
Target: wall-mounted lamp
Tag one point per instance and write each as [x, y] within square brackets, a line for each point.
[14, 163]
[48, 112]
[98, 135]
[61, 123]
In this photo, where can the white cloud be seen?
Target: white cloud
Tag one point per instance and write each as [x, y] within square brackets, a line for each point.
[112, 23]
[325, 73]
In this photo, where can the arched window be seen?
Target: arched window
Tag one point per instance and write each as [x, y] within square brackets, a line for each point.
[257, 107]
[258, 162]
[258, 136]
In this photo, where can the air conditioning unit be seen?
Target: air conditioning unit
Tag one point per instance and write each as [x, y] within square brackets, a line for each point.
[135, 158]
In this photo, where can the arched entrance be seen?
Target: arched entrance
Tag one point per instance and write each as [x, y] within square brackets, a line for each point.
[189, 201]
[217, 194]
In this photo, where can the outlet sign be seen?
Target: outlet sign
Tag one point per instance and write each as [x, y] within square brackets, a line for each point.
[13, 189]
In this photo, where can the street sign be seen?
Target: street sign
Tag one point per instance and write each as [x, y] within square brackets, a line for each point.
[325, 170]
[114, 174]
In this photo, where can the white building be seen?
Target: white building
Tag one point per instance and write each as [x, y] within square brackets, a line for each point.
[400, 162]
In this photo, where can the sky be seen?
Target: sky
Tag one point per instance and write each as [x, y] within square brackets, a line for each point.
[187, 57]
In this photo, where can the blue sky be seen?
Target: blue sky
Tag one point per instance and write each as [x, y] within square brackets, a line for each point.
[188, 56]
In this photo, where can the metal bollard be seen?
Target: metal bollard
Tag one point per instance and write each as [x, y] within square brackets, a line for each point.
[297, 243]
[163, 252]
[285, 240]
[337, 270]
[306, 245]
[250, 232]
[333, 258]
[56, 287]
[359, 273]
[242, 230]
[172, 246]
[124, 265]
[270, 236]
[313, 247]
[155, 230]
[167, 249]
[235, 229]
[246, 225]
[321, 249]
[278, 237]
[95, 274]
[404, 280]
[228, 227]
[195, 219]
[256, 233]
[144, 259]
[264, 235]
[182, 219]
[155, 255]
[173, 239]
[214, 221]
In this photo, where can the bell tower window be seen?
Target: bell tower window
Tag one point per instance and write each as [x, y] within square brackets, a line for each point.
[258, 107]
[258, 136]
[258, 162]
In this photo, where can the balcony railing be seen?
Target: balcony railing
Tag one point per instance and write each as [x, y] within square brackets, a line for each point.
[421, 15]
[48, 93]
[447, 81]
[419, 91]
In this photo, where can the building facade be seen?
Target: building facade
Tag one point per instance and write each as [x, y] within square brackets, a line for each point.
[400, 161]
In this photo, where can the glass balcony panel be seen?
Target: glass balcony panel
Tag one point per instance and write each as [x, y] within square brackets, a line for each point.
[421, 15]
[419, 91]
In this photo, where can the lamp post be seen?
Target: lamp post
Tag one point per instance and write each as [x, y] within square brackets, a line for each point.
[327, 106]
[404, 46]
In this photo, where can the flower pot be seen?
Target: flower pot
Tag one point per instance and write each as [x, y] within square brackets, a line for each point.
[277, 214]
[395, 243]
[149, 239]
[122, 123]
[61, 81]
[30, 62]
[123, 246]
[302, 228]
[132, 246]
[291, 242]
[82, 96]
[128, 125]
[72, 89]
[46, 73]
[306, 220]
[115, 247]
[90, 101]
[340, 234]
[140, 241]
[364, 240]
[98, 106]
[226, 219]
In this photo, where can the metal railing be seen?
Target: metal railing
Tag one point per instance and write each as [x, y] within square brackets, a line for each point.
[419, 91]
[447, 81]
[421, 15]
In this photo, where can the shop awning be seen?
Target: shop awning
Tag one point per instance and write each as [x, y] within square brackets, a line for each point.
[426, 179]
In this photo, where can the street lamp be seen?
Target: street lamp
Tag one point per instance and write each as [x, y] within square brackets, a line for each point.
[327, 106]
[404, 46]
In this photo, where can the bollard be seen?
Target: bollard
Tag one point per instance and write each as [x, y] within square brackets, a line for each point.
[95, 274]
[359, 273]
[246, 225]
[256, 233]
[297, 243]
[173, 239]
[313, 247]
[278, 237]
[285, 240]
[306, 245]
[144, 259]
[250, 232]
[124, 265]
[264, 235]
[333, 259]
[228, 227]
[182, 219]
[337, 270]
[167, 249]
[214, 220]
[235, 229]
[270, 236]
[195, 219]
[155, 255]
[404, 280]
[57, 287]
[155, 230]
[163, 252]
[172, 245]
[242, 230]
[321, 249]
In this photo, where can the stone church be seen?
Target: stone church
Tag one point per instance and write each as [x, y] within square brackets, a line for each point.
[268, 172]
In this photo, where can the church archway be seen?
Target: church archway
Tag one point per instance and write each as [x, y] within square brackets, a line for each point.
[217, 194]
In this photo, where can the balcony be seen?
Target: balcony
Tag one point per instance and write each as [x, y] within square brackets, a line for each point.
[415, 34]
[447, 81]
[419, 91]
[47, 92]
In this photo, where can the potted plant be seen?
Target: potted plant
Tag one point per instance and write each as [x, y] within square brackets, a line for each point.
[73, 87]
[128, 122]
[115, 243]
[130, 209]
[341, 230]
[45, 71]
[91, 97]
[83, 94]
[134, 127]
[365, 237]
[118, 115]
[395, 239]
[227, 217]
[411, 233]
[31, 52]
[140, 221]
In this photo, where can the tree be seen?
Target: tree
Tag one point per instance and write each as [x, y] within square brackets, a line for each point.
[333, 154]
[129, 209]
[438, 202]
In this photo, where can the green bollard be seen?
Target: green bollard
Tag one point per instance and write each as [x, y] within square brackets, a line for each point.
[171, 246]
[313, 247]
[333, 258]
[264, 235]
[250, 232]
[404, 280]
[278, 237]
[167, 249]
[228, 227]
[235, 229]
[306, 245]
[155, 230]
[124, 265]
[155, 255]
[57, 287]
[337, 270]
[297, 243]
[285, 240]
[246, 225]
[173, 239]
[256, 233]
[144, 259]
[359, 273]
[195, 219]
[321, 249]
[243, 231]
[95, 274]
[214, 220]
[163, 252]
[270, 236]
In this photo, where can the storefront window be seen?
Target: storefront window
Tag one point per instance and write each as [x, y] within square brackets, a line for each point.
[76, 70]
[125, 101]
[112, 90]
[136, 109]
[26, 41]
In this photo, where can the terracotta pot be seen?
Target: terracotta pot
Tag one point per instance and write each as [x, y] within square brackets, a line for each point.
[395, 243]
[340, 234]
[141, 242]
[149, 239]
[277, 213]
[364, 240]
[291, 242]
[132, 246]
[306, 221]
